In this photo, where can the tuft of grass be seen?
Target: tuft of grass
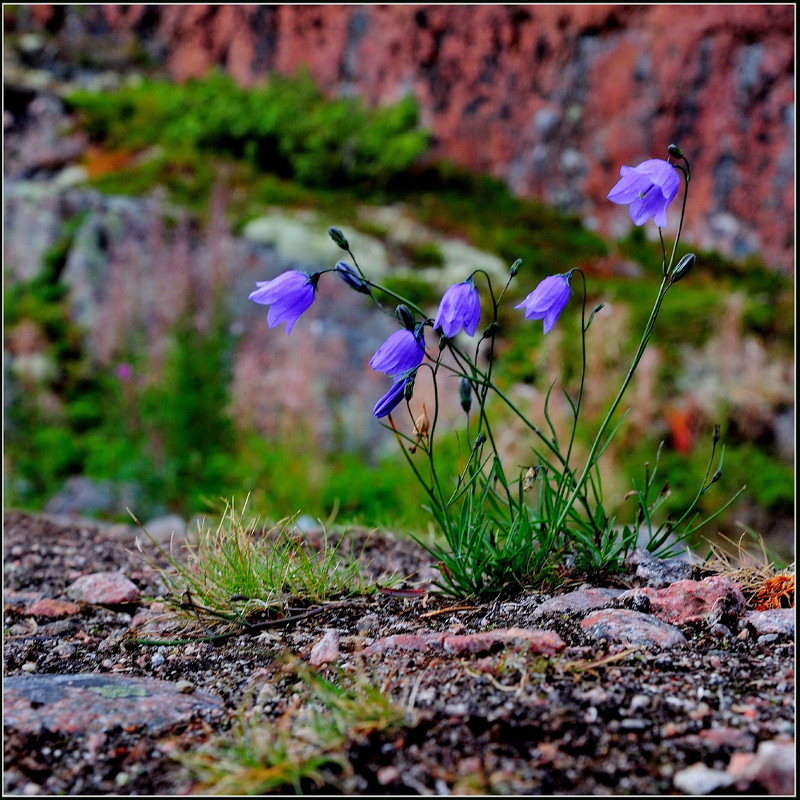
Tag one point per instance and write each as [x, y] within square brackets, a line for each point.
[307, 747]
[763, 584]
[239, 571]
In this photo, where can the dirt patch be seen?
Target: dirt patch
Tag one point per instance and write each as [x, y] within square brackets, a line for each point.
[495, 711]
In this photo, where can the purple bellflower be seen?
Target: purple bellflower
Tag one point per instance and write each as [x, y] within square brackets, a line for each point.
[460, 309]
[288, 296]
[400, 353]
[649, 188]
[548, 299]
[392, 398]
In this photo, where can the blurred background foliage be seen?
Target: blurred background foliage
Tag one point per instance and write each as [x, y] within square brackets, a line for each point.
[172, 438]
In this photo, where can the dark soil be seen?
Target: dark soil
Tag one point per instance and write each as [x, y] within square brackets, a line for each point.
[598, 718]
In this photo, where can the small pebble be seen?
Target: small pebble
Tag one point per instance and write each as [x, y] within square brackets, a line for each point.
[186, 687]
[700, 779]
[28, 666]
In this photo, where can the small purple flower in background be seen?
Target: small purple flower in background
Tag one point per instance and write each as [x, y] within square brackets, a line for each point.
[392, 398]
[400, 353]
[548, 299]
[288, 296]
[649, 188]
[460, 309]
[123, 371]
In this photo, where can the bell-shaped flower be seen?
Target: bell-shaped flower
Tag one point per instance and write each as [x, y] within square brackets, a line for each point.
[400, 353]
[288, 296]
[548, 300]
[393, 397]
[460, 309]
[649, 189]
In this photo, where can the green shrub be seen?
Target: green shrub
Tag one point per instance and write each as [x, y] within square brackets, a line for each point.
[286, 127]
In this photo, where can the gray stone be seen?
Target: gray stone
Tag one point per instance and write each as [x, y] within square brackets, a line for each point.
[657, 572]
[773, 620]
[582, 600]
[631, 627]
[166, 529]
[83, 496]
[84, 704]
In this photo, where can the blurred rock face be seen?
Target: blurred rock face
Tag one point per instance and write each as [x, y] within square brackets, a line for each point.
[552, 99]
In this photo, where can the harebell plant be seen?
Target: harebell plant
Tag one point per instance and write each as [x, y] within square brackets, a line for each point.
[505, 525]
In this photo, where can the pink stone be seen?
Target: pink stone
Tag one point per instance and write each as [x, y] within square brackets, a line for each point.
[104, 588]
[690, 601]
[326, 650]
[771, 767]
[533, 641]
[406, 641]
[50, 607]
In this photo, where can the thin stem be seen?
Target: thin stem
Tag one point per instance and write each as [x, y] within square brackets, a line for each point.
[593, 452]
[577, 408]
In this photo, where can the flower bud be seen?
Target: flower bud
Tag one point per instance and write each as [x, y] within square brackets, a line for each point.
[408, 389]
[515, 267]
[405, 317]
[480, 440]
[530, 478]
[675, 151]
[465, 394]
[716, 476]
[682, 268]
[339, 238]
[348, 274]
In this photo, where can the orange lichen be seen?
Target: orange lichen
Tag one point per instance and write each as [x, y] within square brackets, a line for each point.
[98, 162]
[774, 592]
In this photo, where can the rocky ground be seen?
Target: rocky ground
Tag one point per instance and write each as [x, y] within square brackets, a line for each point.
[666, 681]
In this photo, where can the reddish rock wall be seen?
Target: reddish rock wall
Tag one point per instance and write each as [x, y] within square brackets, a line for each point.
[553, 99]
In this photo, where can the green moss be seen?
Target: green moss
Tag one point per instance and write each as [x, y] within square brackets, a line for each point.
[413, 288]
[424, 254]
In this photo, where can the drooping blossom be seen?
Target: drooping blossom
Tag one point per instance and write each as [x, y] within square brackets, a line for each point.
[392, 398]
[548, 299]
[400, 353]
[288, 296]
[649, 189]
[460, 309]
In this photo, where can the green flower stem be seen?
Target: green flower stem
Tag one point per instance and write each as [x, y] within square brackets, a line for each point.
[483, 419]
[431, 434]
[662, 292]
[577, 407]
[593, 452]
